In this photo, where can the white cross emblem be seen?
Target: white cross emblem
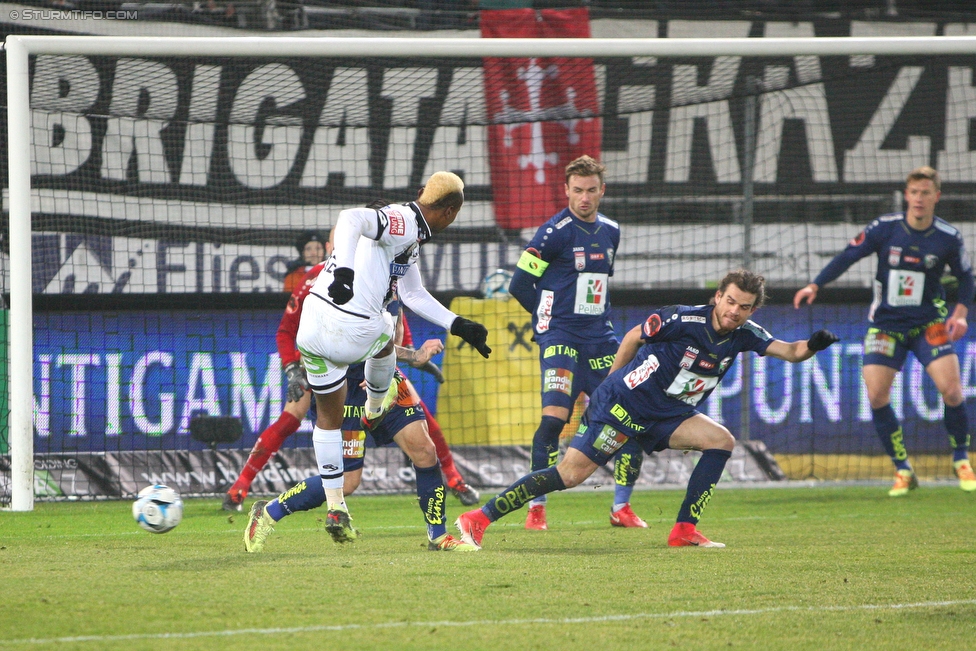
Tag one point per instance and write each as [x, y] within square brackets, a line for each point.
[565, 114]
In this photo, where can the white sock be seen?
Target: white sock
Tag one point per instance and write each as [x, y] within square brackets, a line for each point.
[617, 507]
[328, 456]
[335, 499]
[379, 375]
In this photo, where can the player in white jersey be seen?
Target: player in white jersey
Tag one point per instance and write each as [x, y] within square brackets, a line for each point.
[344, 320]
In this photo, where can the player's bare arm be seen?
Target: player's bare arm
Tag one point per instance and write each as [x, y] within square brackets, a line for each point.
[799, 351]
[417, 357]
[628, 348]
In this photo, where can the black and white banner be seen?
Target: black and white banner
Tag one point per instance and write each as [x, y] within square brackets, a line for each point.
[189, 175]
[387, 470]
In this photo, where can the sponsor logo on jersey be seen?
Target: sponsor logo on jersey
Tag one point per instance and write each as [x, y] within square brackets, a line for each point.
[910, 259]
[640, 374]
[688, 360]
[609, 441]
[352, 411]
[557, 379]
[618, 412]
[596, 256]
[690, 390]
[579, 260]
[880, 343]
[544, 311]
[397, 225]
[561, 349]
[894, 256]
[906, 285]
[353, 444]
[563, 222]
[705, 364]
[652, 326]
[398, 270]
[931, 260]
[594, 291]
[600, 363]
[693, 319]
[936, 334]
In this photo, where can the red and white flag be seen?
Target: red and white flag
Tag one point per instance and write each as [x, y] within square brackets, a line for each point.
[543, 114]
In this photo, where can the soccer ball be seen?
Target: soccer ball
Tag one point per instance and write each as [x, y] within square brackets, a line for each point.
[158, 508]
[495, 284]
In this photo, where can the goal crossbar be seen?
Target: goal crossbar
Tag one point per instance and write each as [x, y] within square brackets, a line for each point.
[20, 48]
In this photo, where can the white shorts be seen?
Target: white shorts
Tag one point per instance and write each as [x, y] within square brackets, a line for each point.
[331, 340]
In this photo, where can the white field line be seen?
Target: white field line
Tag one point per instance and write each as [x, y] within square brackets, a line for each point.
[489, 622]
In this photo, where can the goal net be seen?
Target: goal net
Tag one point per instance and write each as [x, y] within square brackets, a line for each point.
[157, 187]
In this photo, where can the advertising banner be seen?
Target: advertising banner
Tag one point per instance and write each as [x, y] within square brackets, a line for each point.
[386, 470]
[130, 381]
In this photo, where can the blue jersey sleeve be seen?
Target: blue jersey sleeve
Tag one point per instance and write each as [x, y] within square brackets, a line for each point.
[961, 268]
[756, 337]
[522, 288]
[549, 241]
[867, 242]
[660, 324]
[616, 248]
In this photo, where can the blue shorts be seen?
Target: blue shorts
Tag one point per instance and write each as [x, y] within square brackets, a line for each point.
[890, 347]
[569, 369]
[407, 409]
[601, 441]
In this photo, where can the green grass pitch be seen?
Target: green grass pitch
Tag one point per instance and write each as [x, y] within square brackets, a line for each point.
[805, 568]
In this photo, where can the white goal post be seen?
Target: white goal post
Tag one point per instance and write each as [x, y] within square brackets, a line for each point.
[20, 48]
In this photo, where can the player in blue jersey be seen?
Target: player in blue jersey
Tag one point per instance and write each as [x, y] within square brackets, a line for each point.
[664, 369]
[909, 313]
[561, 281]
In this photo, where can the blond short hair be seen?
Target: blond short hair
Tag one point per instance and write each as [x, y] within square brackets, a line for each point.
[585, 166]
[443, 189]
[925, 173]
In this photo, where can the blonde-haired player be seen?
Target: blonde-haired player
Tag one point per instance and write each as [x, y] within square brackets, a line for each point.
[344, 320]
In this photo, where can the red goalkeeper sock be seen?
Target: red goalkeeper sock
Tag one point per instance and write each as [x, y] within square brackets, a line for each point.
[451, 475]
[267, 444]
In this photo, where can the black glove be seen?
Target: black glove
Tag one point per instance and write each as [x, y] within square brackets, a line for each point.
[297, 382]
[473, 333]
[821, 339]
[340, 291]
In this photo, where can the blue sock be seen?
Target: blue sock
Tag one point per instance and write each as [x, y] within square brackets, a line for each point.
[626, 470]
[522, 491]
[430, 490]
[303, 496]
[957, 422]
[701, 485]
[545, 443]
[891, 436]
[545, 446]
